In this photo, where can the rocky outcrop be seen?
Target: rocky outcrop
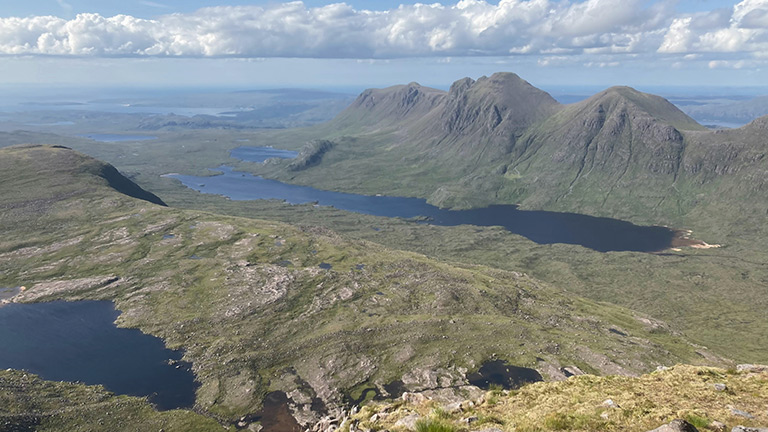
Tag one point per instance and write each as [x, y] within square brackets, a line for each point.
[676, 425]
[311, 154]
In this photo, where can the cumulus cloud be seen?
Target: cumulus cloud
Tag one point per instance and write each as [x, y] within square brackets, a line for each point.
[549, 28]
[743, 29]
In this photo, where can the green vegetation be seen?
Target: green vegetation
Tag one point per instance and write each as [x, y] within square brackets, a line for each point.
[698, 421]
[29, 403]
[698, 292]
[434, 425]
[590, 403]
[694, 291]
[247, 301]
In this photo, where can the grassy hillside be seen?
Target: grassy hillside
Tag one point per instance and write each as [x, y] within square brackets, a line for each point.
[717, 297]
[254, 310]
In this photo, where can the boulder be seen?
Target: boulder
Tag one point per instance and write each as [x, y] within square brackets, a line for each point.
[453, 408]
[718, 426]
[414, 398]
[469, 420]
[408, 422]
[752, 368]
[748, 429]
[676, 425]
[572, 371]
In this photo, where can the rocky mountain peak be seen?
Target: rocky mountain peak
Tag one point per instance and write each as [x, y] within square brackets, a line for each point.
[502, 100]
[382, 107]
[629, 102]
[460, 86]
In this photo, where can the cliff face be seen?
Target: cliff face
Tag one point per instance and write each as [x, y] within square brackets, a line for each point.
[481, 121]
[478, 121]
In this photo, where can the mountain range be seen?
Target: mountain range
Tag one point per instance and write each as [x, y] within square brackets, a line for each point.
[620, 153]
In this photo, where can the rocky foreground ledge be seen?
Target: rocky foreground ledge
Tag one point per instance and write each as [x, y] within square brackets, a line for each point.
[681, 398]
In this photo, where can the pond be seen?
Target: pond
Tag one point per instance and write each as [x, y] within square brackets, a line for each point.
[78, 341]
[500, 373]
[543, 227]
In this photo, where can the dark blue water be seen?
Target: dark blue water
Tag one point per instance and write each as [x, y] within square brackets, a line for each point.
[499, 372]
[78, 341]
[600, 234]
[118, 138]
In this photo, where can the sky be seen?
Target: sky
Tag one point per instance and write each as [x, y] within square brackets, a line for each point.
[317, 43]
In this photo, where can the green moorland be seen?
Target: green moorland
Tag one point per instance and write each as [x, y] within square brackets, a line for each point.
[249, 303]
[715, 296]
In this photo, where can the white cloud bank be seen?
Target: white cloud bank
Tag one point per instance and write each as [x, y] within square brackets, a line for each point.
[469, 28]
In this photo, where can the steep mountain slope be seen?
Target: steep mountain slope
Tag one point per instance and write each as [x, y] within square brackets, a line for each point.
[619, 145]
[626, 159]
[475, 122]
[255, 311]
[481, 121]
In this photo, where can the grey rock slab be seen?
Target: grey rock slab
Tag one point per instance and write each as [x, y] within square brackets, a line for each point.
[741, 413]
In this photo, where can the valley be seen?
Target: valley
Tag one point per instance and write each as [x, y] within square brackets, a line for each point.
[304, 308]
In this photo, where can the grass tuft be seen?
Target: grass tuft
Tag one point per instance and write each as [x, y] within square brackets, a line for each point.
[434, 425]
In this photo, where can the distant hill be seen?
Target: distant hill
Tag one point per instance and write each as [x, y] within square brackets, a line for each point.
[50, 172]
[741, 112]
